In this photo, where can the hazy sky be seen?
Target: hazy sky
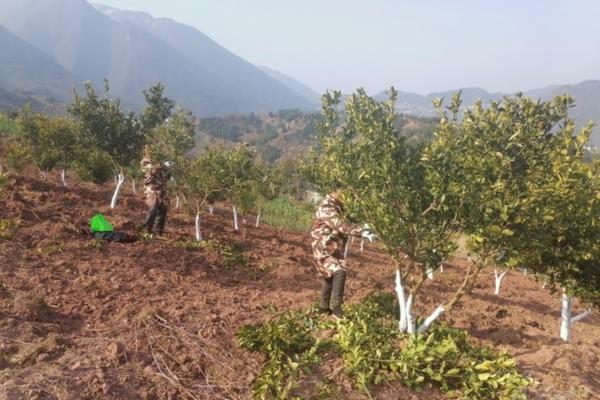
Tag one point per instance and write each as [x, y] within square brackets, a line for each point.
[420, 46]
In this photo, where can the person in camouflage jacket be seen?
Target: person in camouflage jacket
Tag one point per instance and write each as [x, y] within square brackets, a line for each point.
[330, 235]
[156, 177]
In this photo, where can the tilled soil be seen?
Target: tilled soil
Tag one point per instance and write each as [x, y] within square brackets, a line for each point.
[156, 320]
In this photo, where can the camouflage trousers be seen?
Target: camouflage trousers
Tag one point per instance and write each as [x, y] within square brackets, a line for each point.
[157, 211]
[332, 293]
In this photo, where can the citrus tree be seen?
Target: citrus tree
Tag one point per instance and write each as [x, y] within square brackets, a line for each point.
[385, 182]
[221, 174]
[490, 156]
[32, 142]
[562, 217]
[114, 131]
[66, 142]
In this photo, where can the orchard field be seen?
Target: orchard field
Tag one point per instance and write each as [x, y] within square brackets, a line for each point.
[83, 320]
[482, 282]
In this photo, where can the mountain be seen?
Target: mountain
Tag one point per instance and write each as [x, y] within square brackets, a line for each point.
[241, 83]
[294, 84]
[26, 72]
[120, 46]
[587, 102]
[586, 94]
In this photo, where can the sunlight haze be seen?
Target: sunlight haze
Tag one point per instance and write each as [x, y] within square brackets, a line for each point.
[416, 46]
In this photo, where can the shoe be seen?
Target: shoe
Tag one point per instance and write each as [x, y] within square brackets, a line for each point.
[326, 311]
[337, 313]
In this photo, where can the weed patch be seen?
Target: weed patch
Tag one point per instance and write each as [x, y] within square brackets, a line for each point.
[8, 228]
[288, 214]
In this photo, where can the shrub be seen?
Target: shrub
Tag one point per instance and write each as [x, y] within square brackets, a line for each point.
[96, 167]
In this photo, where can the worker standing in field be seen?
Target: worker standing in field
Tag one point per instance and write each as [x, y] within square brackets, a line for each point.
[330, 235]
[156, 176]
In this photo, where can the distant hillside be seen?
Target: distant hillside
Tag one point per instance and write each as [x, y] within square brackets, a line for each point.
[133, 54]
[28, 75]
[242, 86]
[587, 102]
[586, 94]
[287, 133]
[294, 84]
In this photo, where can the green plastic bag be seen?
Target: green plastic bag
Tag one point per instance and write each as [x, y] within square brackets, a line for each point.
[99, 223]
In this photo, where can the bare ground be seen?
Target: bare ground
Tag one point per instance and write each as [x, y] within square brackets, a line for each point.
[152, 320]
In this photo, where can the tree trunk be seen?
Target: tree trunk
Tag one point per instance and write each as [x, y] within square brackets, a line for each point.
[133, 189]
[43, 175]
[115, 197]
[236, 226]
[430, 273]
[442, 267]
[198, 231]
[565, 313]
[258, 219]
[347, 248]
[498, 280]
[63, 177]
[211, 209]
[424, 327]
[406, 323]
[177, 201]
[566, 319]
[362, 245]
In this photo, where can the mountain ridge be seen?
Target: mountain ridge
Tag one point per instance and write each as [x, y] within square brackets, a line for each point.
[132, 57]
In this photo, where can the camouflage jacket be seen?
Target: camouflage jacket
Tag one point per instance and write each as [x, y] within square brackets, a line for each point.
[330, 234]
[156, 177]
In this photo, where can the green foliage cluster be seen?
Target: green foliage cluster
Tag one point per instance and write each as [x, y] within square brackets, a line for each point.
[285, 213]
[230, 174]
[8, 126]
[222, 128]
[523, 189]
[509, 175]
[373, 351]
[110, 128]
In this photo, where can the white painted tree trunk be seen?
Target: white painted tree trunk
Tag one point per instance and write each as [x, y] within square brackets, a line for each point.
[442, 267]
[430, 273]
[566, 319]
[525, 271]
[177, 201]
[236, 226]
[198, 231]
[362, 245]
[133, 189]
[211, 209]
[63, 177]
[43, 175]
[258, 219]
[347, 248]
[498, 280]
[115, 197]
[424, 327]
[565, 314]
[545, 282]
[406, 323]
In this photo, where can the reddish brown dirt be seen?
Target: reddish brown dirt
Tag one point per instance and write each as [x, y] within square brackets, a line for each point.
[148, 320]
